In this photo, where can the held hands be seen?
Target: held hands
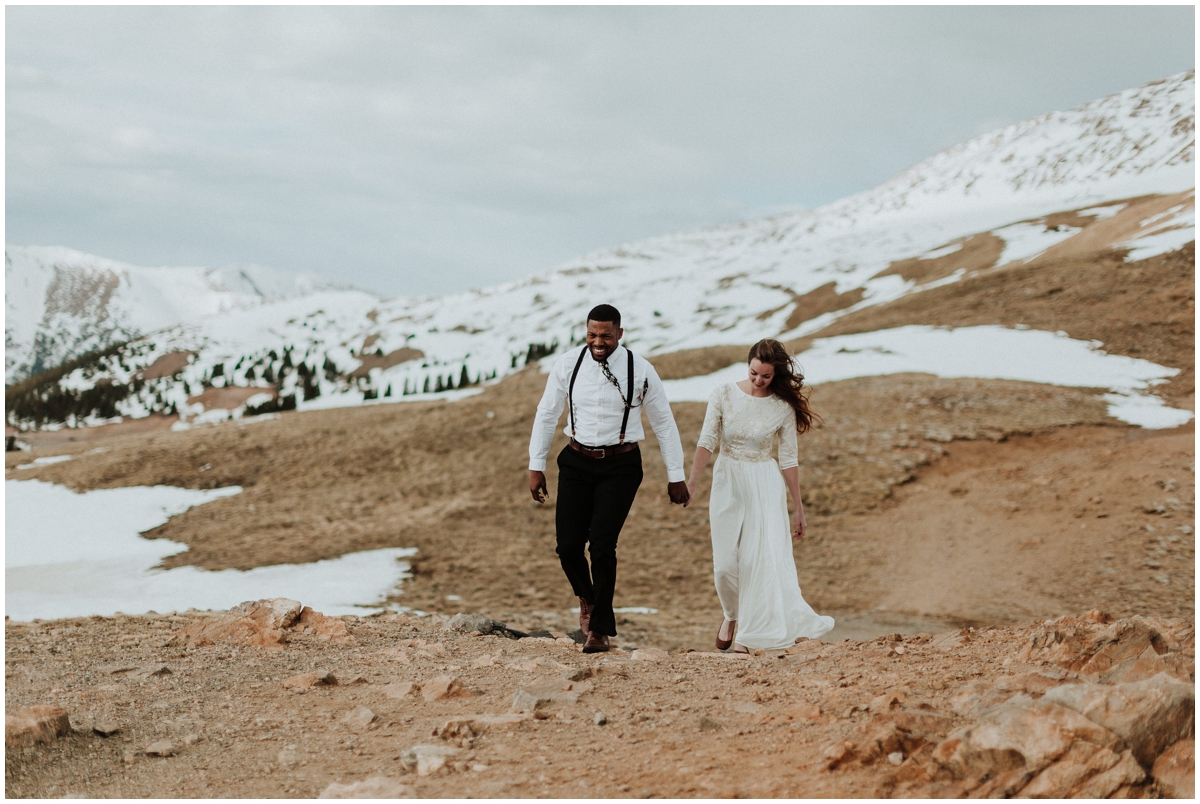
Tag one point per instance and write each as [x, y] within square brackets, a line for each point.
[537, 486]
[679, 493]
[691, 490]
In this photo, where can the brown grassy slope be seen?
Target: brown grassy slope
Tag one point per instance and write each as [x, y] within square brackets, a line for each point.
[450, 481]
[1143, 309]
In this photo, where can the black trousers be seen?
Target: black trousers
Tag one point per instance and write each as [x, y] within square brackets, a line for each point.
[594, 497]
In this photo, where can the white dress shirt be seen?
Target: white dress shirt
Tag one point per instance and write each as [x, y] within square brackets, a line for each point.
[599, 408]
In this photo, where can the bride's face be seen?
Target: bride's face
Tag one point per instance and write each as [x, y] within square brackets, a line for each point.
[761, 373]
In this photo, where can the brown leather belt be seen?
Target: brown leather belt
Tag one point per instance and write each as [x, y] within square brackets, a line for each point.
[602, 452]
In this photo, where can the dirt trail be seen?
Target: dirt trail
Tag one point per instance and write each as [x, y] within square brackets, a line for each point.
[685, 724]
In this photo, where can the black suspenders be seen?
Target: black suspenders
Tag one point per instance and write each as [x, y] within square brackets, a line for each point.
[628, 400]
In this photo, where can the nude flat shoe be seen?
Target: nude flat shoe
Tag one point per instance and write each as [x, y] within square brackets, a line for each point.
[723, 644]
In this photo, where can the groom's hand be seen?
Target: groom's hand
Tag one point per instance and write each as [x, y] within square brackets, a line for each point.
[537, 486]
[678, 492]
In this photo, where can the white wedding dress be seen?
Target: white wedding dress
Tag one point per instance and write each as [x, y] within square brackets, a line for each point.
[751, 531]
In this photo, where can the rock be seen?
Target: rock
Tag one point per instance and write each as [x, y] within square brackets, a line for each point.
[896, 757]
[443, 688]
[600, 719]
[36, 724]
[1020, 735]
[802, 711]
[649, 655]
[539, 696]
[1122, 641]
[428, 759]
[916, 721]
[1081, 761]
[886, 702]
[1125, 772]
[257, 623]
[468, 623]
[1036, 684]
[317, 678]
[950, 641]
[359, 718]
[161, 748]
[192, 739]
[326, 629]
[484, 661]
[401, 689]
[288, 758]
[706, 723]
[1148, 715]
[836, 753]
[479, 723]
[373, 787]
[1175, 770]
[152, 671]
[105, 728]
[1148, 665]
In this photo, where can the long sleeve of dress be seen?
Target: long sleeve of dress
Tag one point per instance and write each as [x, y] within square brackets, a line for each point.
[788, 455]
[710, 434]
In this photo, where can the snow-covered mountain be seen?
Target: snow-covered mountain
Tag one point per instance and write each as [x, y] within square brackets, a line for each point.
[61, 303]
[784, 276]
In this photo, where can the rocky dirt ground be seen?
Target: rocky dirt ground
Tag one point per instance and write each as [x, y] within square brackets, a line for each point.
[194, 705]
[935, 506]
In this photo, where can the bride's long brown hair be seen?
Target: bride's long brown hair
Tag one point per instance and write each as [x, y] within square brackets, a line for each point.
[788, 383]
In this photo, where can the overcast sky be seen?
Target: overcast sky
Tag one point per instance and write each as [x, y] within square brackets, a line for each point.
[428, 150]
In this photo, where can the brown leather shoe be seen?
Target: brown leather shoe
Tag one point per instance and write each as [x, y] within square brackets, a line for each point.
[723, 644]
[596, 643]
[585, 615]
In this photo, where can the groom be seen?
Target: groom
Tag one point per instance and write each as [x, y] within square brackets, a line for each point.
[604, 387]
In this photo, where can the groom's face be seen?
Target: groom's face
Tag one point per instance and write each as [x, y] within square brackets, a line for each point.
[602, 339]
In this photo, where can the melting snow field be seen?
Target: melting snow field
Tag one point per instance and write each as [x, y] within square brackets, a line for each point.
[72, 555]
[986, 352]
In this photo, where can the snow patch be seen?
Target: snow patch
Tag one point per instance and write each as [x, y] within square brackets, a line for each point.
[72, 555]
[985, 352]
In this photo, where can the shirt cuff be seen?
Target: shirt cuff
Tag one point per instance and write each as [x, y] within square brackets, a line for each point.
[675, 476]
[536, 465]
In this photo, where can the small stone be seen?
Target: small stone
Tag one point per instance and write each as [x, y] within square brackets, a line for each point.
[355, 679]
[649, 655]
[443, 688]
[467, 623]
[479, 767]
[600, 719]
[317, 678]
[288, 758]
[484, 661]
[802, 711]
[374, 787]
[106, 728]
[37, 724]
[192, 739]
[401, 689]
[428, 759]
[129, 758]
[152, 671]
[896, 757]
[708, 724]
[360, 718]
[162, 748]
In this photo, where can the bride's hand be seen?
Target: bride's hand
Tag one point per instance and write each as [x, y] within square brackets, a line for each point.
[691, 487]
[799, 526]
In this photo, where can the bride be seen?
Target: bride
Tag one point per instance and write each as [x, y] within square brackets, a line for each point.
[752, 557]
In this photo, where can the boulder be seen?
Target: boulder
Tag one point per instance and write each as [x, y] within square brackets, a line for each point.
[1081, 761]
[1121, 642]
[1019, 735]
[443, 688]
[36, 724]
[1148, 715]
[326, 629]
[1175, 770]
[373, 787]
[256, 623]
